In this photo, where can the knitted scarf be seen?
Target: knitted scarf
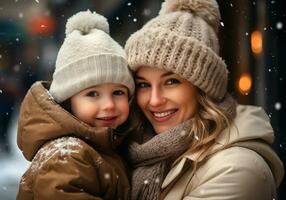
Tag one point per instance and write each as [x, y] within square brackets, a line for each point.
[151, 158]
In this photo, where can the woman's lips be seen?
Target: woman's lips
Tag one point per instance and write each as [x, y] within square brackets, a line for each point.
[163, 115]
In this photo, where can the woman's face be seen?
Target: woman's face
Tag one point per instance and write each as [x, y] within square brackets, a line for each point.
[165, 98]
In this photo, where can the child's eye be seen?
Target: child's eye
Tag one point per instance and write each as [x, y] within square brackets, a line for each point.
[118, 92]
[93, 94]
[172, 81]
[142, 85]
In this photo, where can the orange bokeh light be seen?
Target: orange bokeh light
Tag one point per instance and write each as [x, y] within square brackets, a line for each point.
[43, 25]
[256, 42]
[245, 83]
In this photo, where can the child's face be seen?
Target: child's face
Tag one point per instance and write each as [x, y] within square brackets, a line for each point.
[102, 105]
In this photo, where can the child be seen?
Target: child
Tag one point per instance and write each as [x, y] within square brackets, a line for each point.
[67, 130]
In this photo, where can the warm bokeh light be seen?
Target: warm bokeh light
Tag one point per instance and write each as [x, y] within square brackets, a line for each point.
[43, 25]
[256, 42]
[245, 83]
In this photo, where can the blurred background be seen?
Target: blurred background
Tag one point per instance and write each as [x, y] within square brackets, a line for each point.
[252, 37]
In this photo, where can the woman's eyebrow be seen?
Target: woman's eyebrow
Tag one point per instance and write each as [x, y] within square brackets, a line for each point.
[167, 74]
[162, 75]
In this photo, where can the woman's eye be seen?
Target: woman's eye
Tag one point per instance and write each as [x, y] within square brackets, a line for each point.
[172, 81]
[93, 94]
[142, 85]
[118, 92]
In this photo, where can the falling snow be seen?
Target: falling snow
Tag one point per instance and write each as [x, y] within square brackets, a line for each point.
[63, 147]
[21, 15]
[183, 133]
[146, 182]
[129, 4]
[107, 176]
[1, 91]
[222, 24]
[196, 137]
[37, 1]
[279, 25]
[134, 20]
[278, 106]
[147, 12]
[117, 18]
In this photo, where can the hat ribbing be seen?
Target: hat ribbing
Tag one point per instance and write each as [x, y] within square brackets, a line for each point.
[88, 57]
[183, 40]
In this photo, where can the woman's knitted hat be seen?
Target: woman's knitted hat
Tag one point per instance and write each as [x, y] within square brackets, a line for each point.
[88, 57]
[183, 39]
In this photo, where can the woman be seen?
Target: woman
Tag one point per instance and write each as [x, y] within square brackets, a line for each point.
[203, 145]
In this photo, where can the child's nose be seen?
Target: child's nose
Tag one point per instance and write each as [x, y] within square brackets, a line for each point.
[108, 103]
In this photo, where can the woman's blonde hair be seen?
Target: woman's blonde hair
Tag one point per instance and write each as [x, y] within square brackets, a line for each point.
[208, 123]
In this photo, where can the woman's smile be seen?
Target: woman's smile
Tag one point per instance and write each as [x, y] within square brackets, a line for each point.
[165, 98]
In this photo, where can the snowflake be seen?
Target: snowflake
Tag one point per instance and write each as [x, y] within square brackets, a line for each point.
[196, 137]
[50, 95]
[117, 18]
[278, 106]
[134, 20]
[146, 182]
[146, 12]
[20, 15]
[183, 133]
[107, 176]
[62, 146]
[222, 24]
[279, 25]
[129, 4]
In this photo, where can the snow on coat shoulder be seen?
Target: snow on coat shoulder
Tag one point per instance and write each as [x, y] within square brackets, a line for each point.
[64, 147]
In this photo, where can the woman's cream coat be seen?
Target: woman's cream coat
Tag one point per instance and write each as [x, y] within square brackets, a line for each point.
[241, 166]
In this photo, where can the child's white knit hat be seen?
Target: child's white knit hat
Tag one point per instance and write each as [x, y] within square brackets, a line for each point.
[183, 39]
[88, 57]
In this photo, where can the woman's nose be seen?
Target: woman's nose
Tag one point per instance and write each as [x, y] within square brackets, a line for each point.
[156, 98]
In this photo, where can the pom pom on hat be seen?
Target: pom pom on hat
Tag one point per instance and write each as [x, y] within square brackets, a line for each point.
[85, 21]
[89, 56]
[208, 10]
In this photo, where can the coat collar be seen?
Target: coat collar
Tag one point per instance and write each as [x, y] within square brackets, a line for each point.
[42, 119]
[251, 129]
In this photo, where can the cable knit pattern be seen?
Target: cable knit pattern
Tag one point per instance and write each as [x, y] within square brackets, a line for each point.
[149, 159]
[184, 42]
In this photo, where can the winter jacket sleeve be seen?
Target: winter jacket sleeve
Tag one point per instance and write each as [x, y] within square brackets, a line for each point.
[77, 174]
[233, 174]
